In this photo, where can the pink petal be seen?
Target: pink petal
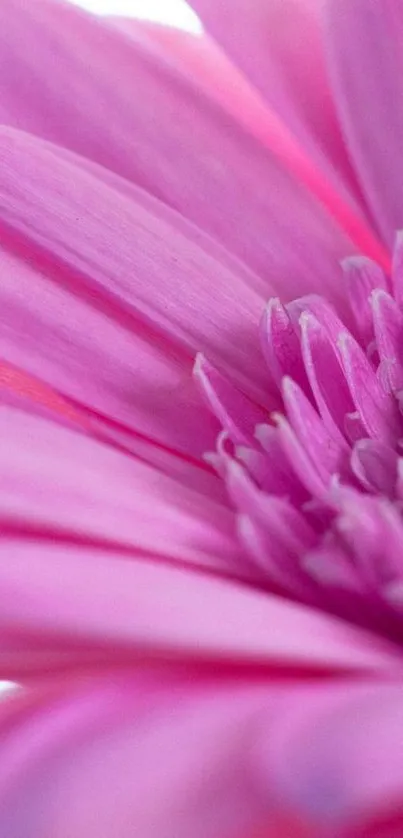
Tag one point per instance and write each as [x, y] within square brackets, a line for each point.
[273, 531]
[321, 309]
[302, 460]
[325, 376]
[201, 59]
[81, 601]
[365, 59]
[121, 754]
[237, 415]
[279, 45]
[281, 478]
[371, 528]
[115, 328]
[333, 569]
[177, 755]
[284, 523]
[327, 452]
[339, 756]
[362, 277]
[376, 408]
[61, 485]
[386, 823]
[148, 753]
[162, 133]
[388, 324]
[397, 268]
[151, 204]
[281, 345]
[375, 464]
[21, 390]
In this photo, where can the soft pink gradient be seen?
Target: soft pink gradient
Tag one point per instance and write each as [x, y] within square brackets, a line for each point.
[200, 568]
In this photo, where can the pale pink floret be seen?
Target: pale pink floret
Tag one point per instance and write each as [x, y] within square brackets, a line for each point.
[323, 518]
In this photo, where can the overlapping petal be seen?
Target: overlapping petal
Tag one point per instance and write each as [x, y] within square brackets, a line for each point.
[349, 771]
[364, 49]
[149, 754]
[164, 134]
[279, 45]
[171, 692]
[83, 599]
[60, 484]
[175, 753]
[124, 295]
[110, 299]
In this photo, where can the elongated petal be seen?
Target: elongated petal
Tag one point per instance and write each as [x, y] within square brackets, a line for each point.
[372, 529]
[83, 600]
[376, 466]
[281, 478]
[149, 754]
[325, 376]
[388, 324]
[273, 532]
[237, 415]
[125, 754]
[23, 391]
[281, 345]
[169, 755]
[376, 409]
[202, 59]
[165, 135]
[362, 277]
[365, 55]
[62, 485]
[114, 326]
[326, 452]
[279, 45]
[314, 479]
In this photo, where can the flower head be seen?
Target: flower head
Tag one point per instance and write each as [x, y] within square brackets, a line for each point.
[206, 640]
[319, 489]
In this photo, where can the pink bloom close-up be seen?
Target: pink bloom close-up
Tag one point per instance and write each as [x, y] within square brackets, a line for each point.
[201, 423]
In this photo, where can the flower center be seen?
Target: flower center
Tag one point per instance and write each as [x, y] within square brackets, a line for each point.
[318, 484]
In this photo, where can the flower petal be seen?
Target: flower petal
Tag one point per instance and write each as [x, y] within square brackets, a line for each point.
[339, 758]
[365, 57]
[162, 133]
[149, 753]
[123, 754]
[362, 277]
[279, 45]
[115, 326]
[281, 345]
[236, 414]
[375, 464]
[200, 58]
[325, 376]
[376, 408]
[388, 324]
[61, 485]
[59, 599]
[326, 451]
[175, 754]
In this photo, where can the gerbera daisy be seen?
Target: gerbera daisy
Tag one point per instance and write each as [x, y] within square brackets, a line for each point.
[201, 378]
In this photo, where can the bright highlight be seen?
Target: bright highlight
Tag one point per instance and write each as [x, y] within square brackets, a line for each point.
[172, 12]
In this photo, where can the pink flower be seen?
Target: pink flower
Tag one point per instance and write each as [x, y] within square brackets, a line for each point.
[207, 636]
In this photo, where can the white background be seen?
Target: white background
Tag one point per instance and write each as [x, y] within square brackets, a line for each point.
[173, 12]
